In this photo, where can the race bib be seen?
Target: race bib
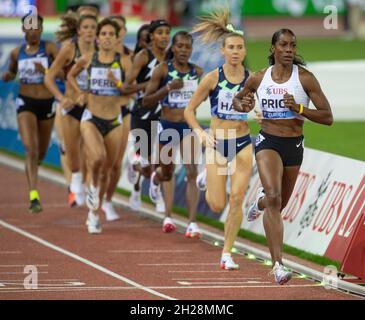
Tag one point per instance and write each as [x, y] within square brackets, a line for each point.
[181, 97]
[101, 85]
[225, 107]
[28, 73]
[82, 80]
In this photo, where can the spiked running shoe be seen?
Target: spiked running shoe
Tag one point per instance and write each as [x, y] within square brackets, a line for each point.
[168, 225]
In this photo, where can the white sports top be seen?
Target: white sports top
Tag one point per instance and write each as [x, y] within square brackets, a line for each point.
[271, 96]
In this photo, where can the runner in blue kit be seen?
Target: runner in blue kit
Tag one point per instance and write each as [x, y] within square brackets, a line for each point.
[284, 90]
[101, 128]
[35, 104]
[173, 83]
[228, 141]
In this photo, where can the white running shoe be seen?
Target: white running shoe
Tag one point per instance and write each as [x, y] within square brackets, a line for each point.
[110, 213]
[155, 190]
[253, 211]
[193, 231]
[168, 225]
[93, 223]
[282, 275]
[227, 262]
[201, 180]
[135, 200]
[92, 198]
[132, 174]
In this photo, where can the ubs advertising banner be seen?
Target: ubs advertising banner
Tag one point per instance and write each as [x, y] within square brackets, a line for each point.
[325, 207]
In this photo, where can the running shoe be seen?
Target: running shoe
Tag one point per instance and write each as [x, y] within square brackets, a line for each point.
[201, 180]
[168, 225]
[35, 206]
[93, 223]
[227, 263]
[110, 213]
[282, 274]
[253, 211]
[71, 199]
[193, 231]
[155, 190]
[92, 198]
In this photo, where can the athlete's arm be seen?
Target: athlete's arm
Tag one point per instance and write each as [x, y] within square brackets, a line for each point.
[323, 113]
[244, 101]
[13, 66]
[62, 58]
[125, 89]
[152, 94]
[76, 69]
[139, 61]
[202, 92]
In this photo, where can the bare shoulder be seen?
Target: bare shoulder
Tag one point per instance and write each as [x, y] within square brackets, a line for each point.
[307, 78]
[210, 80]
[15, 53]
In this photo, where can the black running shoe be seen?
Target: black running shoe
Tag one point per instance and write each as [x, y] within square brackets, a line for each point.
[35, 206]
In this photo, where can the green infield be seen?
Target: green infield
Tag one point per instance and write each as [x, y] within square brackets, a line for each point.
[326, 49]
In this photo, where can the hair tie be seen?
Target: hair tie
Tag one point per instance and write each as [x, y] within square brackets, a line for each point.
[231, 28]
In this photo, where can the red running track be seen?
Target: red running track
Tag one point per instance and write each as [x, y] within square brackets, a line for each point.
[132, 259]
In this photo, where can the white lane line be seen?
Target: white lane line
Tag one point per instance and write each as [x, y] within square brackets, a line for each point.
[67, 284]
[21, 272]
[39, 280]
[83, 260]
[62, 289]
[148, 251]
[176, 264]
[186, 283]
[184, 279]
[201, 271]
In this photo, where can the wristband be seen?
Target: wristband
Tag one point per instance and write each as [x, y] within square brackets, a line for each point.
[301, 109]
[119, 84]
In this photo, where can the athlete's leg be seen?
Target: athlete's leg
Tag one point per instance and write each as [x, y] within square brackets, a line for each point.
[271, 170]
[188, 149]
[241, 168]
[95, 150]
[28, 129]
[112, 147]
[64, 163]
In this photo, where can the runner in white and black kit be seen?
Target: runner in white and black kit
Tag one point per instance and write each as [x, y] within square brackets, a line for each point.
[284, 90]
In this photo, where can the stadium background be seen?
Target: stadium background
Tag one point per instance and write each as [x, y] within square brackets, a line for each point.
[336, 56]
